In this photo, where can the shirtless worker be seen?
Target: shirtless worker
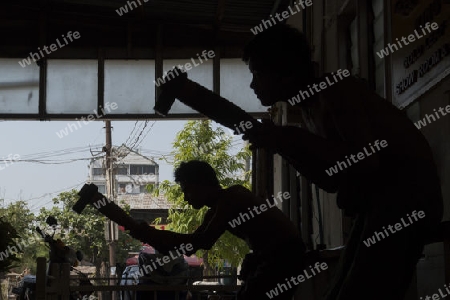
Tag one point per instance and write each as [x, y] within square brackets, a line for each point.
[341, 117]
[278, 250]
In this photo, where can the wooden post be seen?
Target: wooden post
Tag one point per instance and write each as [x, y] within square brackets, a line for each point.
[64, 281]
[53, 279]
[41, 278]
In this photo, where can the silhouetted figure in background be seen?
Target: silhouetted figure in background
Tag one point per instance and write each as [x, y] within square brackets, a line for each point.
[339, 119]
[278, 250]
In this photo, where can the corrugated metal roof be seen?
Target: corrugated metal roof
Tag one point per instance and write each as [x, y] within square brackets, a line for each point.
[144, 201]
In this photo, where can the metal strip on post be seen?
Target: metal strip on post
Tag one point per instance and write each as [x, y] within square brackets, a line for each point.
[216, 70]
[110, 195]
[158, 59]
[100, 79]
[42, 89]
[42, 63]
[111, 227]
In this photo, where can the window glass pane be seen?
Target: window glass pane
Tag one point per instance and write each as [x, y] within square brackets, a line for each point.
[142, 169]
[134, 170]
[235, 79]
[129, 83]
[98, 171]
[72, 86]
[19, 87]
[148, 169]
[121, 188]
[122, 171]
[200, 73]
[101, 189]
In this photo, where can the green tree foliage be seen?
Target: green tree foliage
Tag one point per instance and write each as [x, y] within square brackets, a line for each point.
[20, 216]
[8, 235]
[198, 140]
[85, 231]
[20, 227]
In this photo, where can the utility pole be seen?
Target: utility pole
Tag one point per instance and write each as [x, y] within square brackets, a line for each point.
[111, 231]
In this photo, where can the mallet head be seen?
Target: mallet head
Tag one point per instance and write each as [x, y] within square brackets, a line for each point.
[86, 193]
[169, 89]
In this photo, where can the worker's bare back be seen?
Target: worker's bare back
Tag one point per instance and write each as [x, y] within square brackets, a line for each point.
[259, 222]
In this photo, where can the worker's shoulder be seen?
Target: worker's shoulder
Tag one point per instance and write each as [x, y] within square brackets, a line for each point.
[234, 197]
[237, 189]
[346, 86]
[334, 82]
[349, 92]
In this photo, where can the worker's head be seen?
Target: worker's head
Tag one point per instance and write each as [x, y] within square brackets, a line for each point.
[279, 59]
[198, 182]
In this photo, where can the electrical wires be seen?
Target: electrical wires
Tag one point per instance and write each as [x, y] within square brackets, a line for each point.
[55, 157]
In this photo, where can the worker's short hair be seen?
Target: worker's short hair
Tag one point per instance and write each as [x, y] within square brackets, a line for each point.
[282, 49]
[196, 172]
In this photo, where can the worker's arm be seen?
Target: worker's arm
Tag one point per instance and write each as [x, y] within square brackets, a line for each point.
[213, 226]
[311, 154]
[308, 153]
[206, 220]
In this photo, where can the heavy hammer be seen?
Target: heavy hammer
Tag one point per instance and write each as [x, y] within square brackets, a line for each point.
[163, 241]
[89, 195]
[215, 107]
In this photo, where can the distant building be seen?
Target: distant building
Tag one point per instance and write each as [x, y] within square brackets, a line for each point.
[133, 173]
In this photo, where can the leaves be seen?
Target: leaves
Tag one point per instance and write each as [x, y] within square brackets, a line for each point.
[85, 231]
[8, 236]
[17, 233]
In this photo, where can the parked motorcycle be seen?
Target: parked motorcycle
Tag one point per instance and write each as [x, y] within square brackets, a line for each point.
[59, 253]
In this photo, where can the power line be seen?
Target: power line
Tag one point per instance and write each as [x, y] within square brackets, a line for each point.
[48, 157]
[140, 134]
[45, 195]
[57, 192]
[53, 162]
[145, 135]
[54, 153]
[131, 133]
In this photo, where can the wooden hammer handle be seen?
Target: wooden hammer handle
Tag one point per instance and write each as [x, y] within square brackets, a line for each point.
[113, 212]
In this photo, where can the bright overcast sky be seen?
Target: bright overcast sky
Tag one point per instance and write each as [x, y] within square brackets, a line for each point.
[34, 141]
